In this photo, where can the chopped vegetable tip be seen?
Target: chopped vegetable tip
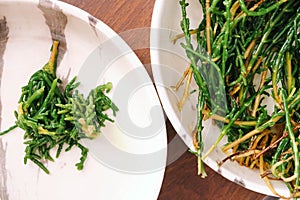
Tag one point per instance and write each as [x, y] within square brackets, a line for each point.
[58, 118]
[236, 43]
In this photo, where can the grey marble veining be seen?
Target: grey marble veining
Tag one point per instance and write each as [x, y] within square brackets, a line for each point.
[3, 175]
[56, 20]
[93, 22]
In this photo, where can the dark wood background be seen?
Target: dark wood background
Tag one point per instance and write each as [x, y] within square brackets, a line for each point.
[181, 180]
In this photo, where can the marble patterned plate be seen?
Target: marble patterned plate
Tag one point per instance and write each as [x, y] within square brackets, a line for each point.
[128, 160]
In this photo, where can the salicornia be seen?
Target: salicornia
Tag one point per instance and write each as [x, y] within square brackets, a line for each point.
[54, 118]
[247, 53]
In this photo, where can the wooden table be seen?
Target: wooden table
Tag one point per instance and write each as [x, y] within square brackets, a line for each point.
[181, 180]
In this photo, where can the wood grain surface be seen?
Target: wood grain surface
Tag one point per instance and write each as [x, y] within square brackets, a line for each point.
[181, 181]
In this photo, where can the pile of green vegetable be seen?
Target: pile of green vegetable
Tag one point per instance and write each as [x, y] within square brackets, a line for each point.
[236, 43]
[56, 118]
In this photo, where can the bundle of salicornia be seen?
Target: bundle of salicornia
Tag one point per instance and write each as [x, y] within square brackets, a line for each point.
[244, 53]
[55, 118]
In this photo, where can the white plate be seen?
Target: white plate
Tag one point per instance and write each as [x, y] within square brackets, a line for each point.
[128, 160]
[169, 62]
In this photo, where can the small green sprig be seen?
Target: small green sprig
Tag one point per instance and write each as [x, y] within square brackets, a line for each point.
[55, 118]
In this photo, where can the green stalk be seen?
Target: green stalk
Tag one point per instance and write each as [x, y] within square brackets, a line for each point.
[229, 125]
[200, 106]
[185, 24]
[262, 11]
[292, 138]
[266, 33]
[227, 34]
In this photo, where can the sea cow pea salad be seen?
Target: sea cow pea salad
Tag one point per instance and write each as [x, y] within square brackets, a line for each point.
[55, 118]
[243, 54]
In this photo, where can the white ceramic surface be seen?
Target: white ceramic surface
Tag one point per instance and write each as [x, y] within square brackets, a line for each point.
[128, 160]
[169, 62]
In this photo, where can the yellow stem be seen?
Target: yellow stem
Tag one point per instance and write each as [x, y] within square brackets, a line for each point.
[223, 119]
[250, 134]
[248, 153]
[255, 162]
[289, 72]
[234, 8]
[266, 179]
[53, 53]
[258, 97]
[257, 64]
[208, 27]
[185, 73]
[179, 36]
[215, 29]
[249, 48]
[186, 89]
[259, 138]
